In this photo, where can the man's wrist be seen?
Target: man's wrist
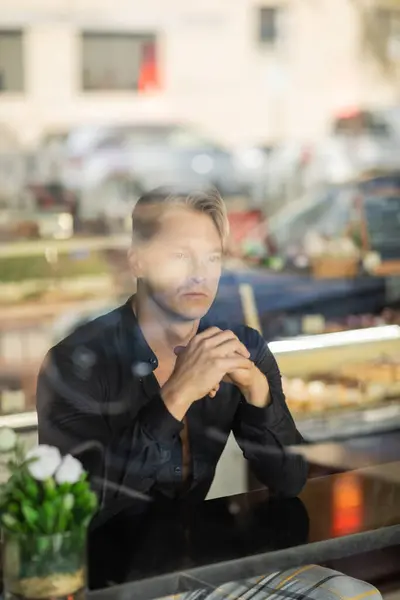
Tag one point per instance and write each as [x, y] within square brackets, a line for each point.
[175, 402]
[258, 394]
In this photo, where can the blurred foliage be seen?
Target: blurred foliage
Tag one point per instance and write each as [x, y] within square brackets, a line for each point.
[376, 34]
[21, 268]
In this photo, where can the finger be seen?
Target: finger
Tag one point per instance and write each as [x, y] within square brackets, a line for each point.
[214, 337]
[207, 333]
[236, 347]
[179, 349]
[231, 347]
[236, 373]
[213, 391]
[233, 363]
[229, 337]
[219, 336]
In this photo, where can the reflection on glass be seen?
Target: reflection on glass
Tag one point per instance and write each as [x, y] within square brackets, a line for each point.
[347, 505]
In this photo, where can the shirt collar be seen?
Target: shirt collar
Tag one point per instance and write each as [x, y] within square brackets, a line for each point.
[143, 359]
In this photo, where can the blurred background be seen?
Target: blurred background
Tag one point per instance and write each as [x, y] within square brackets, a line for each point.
[291, 108]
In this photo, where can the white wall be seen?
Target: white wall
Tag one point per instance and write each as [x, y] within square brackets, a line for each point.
[214, 72]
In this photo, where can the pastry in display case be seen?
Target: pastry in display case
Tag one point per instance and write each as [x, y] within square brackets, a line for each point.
[322, 391]
[354, 384]
[343, 383]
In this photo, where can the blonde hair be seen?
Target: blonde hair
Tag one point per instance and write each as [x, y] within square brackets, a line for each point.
[147, 213]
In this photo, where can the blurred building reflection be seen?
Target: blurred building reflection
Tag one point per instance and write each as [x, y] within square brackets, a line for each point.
[244, 70]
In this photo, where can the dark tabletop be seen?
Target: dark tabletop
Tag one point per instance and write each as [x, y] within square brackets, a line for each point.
[154, 549]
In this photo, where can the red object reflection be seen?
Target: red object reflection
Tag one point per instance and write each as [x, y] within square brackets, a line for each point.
[245, 224]
[348, 113]
[149, 74]
[347, 505]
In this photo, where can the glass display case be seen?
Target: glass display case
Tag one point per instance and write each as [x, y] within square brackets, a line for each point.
[337, 384]
[342, 384]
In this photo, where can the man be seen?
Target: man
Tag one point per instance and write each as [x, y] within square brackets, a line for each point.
[156, 388]
[148, 394]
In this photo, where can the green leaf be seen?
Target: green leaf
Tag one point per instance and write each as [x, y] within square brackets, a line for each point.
[18, 495]
[50, 489]
[13, 508]
[43, 544]
[64, 513]
[68, 502]
[31, 487]
[30, 515]
[93, 501]
[62, 522]
[9, 522]
[64, 488]
[47, 515]
[86, 521]
[81, 487]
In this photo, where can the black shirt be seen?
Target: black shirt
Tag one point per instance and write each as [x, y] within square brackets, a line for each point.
[98, 398]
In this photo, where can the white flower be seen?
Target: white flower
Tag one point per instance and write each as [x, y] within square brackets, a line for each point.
[69, 471]
[47, 460]
[8, 439]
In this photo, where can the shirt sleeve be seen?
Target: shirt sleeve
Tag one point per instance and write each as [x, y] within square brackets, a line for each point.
[71, 403]
[263, 433]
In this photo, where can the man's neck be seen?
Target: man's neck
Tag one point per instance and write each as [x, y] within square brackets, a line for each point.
[161, 332]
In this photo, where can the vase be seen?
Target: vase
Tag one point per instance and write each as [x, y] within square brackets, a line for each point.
[37, 567]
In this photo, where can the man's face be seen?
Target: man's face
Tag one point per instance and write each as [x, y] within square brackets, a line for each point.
[181, 264]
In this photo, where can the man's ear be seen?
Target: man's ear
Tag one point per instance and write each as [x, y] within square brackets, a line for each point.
[134, 262]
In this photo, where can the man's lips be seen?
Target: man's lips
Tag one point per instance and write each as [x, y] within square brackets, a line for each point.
[196, 295]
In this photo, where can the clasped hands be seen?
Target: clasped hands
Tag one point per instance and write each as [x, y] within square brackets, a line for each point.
[211, 357]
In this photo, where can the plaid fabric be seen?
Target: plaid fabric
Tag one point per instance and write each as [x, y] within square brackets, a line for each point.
[309, 582]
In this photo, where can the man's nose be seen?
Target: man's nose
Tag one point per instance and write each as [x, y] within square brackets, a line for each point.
[198, 274]
[198, 279]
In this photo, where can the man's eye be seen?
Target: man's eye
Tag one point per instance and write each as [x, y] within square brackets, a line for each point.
[180, 255]
[215, 258]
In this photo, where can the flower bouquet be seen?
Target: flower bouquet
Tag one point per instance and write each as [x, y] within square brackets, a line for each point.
[45, 506]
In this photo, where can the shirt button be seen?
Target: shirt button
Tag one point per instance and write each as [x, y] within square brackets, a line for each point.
[153, 361]
[177, 469]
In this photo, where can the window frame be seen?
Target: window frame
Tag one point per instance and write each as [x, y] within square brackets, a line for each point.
[140, 35]
[387, 22]
[276, 12]
[19, 32]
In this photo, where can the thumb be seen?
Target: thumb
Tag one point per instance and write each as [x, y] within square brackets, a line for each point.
[178, 350]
